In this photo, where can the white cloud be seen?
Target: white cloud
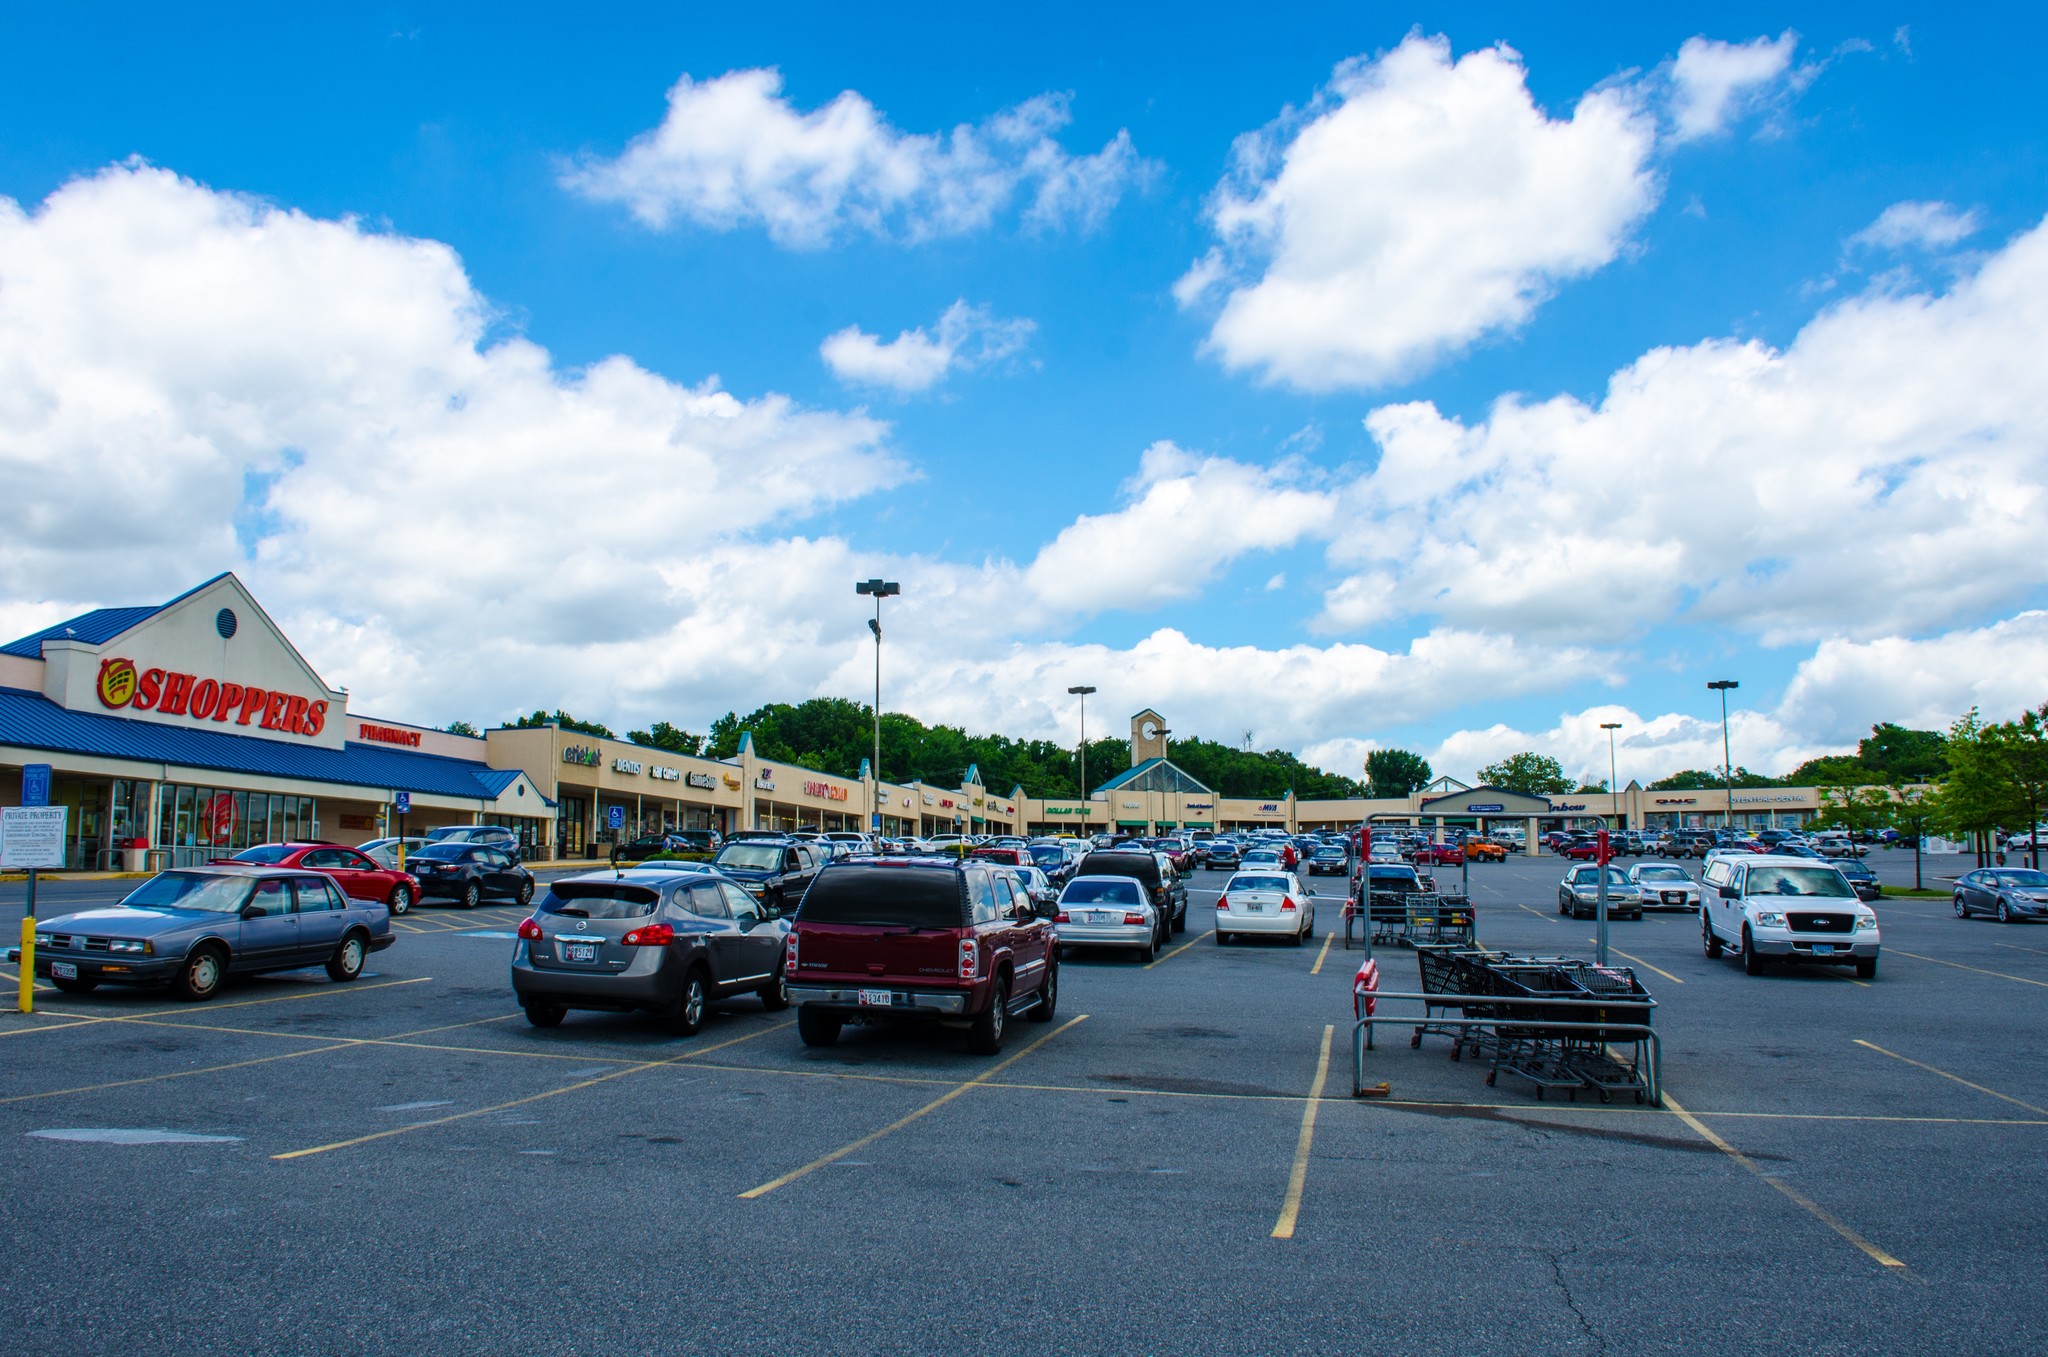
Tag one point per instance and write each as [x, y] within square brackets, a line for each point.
[1714, 82]
[1418, 206]
[1645, 749]
[1925, 225]
[2001, 669]
[1882, 475]
[965, 337]
[734, 152]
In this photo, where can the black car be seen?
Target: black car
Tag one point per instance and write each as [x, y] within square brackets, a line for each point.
[1052, 859]
[1224, 855]
[1860, 876]
[1163, 886]
[2007, 894]
[653, 942]
[490, 836]
[467, 872]
[1330, 858]
[776, 872]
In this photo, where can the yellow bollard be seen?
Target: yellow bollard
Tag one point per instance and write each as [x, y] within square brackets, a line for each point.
[27, 1002]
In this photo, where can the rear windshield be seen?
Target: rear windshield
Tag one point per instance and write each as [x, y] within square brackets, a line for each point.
[762, 857]
[600, 900]
[1393, 874]
[895, 897]
[443, 852]
[192, 890]
[1259, 883]
[1085, 892]
[1796, 881]
[269, 854]
[1138, 866]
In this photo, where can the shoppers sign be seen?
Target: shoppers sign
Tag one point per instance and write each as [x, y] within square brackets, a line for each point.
[32, 836]
[825, 791]
[174, 693]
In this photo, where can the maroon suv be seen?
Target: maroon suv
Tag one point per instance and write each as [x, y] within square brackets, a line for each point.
[889, 939]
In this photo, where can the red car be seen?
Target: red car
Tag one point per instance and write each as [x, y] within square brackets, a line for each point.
[358, 877]
[1441, 854]
[1585, 850]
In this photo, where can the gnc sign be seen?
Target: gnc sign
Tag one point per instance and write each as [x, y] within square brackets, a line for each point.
[121, 684]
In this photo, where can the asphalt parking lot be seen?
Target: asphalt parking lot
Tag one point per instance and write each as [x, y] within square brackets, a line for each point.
[1175, 1165]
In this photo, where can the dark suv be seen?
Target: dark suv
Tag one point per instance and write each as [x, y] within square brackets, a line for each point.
[657, 942]
[882, 939]
[1163, 886]
[776, 872]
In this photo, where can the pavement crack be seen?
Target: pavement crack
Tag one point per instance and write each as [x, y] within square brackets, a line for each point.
[1571, 1302]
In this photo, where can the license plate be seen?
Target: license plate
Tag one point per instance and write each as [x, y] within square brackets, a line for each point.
[63, 970]
[1823, 949]
[579, 951]
[1674, 897]
[877, 998]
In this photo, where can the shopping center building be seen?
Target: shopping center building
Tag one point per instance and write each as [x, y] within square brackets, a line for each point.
[194, 728]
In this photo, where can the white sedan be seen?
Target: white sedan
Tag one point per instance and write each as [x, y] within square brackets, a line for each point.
[1259, 900]
[1665, 885]
[1106, 911]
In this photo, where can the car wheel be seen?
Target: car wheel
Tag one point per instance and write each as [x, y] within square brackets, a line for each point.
[1308, 929]
[816, 1027]
[472, 895]
[1222, 938]
[1048, 996]
[401, 899]
[202, 975]
[985, 1037]
[1180, 920]
[1564, 906]
[526, 892]
[1752, 964]
[1147, 951]
[546, 1015]
[775, 997]
[1962, 910]
[80, 985]
[1866, 968]
[685, 1018]
[347, 962]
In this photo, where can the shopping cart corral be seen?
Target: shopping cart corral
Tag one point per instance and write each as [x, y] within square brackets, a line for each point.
[1555, 1022]
[1408, 910]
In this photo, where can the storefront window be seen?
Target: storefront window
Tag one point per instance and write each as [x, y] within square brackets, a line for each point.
[572, 814]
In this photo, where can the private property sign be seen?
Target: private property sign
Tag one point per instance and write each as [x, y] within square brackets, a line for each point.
[32, 836]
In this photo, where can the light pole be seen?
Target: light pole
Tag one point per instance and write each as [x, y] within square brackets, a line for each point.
[881, 589]
[1613, 777]
[1082, 691]
[1722, 686]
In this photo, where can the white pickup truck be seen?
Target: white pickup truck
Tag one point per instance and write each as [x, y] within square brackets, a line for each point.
[1789, 909]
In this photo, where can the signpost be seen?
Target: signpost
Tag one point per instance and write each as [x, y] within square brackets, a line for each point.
[35, 784]
[31, 837]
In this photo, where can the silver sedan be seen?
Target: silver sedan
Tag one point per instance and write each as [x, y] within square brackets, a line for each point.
[1106, 911]
[1665, 885]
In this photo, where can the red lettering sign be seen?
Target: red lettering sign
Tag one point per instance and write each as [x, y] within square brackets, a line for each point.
[388, 735]
[178, 694]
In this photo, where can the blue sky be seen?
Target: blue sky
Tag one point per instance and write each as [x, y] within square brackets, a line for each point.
[1642, 184]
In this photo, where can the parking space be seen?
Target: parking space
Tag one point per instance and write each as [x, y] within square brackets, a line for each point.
[1154, 1168]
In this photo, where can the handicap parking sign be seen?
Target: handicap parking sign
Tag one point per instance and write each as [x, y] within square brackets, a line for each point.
[402, 803]
[615, 818]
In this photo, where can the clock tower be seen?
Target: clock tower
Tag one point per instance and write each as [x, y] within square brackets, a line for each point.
[1148, 736]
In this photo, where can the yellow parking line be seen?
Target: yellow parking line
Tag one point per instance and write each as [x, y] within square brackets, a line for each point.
[84, 1020]
[521, 1102]
[1640, 962]
[2013, 946]
[1961, 967]
[331, 1044]
[1813, 1208]
[1935, 1069]
[1297, 1177]
[1547, 918]
[1323, 955]
[934, 1105]
[1178, 950]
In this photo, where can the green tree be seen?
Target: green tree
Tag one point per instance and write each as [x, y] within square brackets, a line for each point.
[1833, 770]
[1531, 774]
[1707, 779]
[1904, 755]
[665, 736]
[566, 722]
[1395, 773]
[2017, 752]
[461, 728]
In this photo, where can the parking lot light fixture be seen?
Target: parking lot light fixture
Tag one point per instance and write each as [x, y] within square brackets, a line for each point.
[1722, 686]
[1613, 778]
[881, 589]
[1082, 691]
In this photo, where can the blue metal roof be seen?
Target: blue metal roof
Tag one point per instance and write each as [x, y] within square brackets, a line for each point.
[94, 628]
[33, 721]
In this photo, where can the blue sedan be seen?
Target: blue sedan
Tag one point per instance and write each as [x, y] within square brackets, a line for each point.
[191, 928]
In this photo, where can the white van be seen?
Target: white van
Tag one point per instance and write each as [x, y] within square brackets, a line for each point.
[1790, 909]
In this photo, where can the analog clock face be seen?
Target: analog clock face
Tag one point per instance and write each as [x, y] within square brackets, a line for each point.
[1150, 730]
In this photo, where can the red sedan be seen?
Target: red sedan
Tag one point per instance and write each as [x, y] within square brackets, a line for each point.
[1441, 854]
[1585, 850]
[358, 876]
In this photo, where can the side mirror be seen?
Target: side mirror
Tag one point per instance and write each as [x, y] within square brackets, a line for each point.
[252, 911]
[1728, 892]
[747, 922]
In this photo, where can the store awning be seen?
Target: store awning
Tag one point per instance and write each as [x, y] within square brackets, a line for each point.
[1132, 824]
[1166, 824]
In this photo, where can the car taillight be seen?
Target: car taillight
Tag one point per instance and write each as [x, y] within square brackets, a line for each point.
[1287, 902]
[1223, 904]
[649, 935]
[1061, 918]
[530, 930]
[970, 958]
[789, 956]
[1134, 918]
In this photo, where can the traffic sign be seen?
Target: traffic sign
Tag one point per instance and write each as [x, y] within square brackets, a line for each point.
[615, 818]
[32, 836]
[35, 784]
[402, 803]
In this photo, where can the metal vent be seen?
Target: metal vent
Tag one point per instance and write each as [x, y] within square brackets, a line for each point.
[224, 623]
